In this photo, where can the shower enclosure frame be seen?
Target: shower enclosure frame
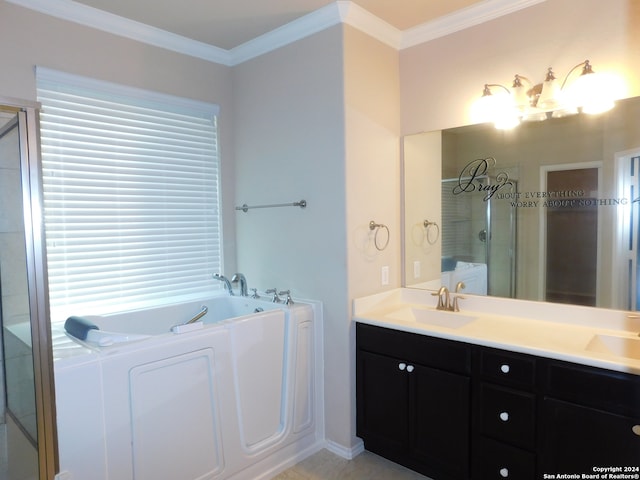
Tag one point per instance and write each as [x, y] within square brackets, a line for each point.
[488, 233]
[30, 171]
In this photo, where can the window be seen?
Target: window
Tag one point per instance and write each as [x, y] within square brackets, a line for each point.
[131, 196]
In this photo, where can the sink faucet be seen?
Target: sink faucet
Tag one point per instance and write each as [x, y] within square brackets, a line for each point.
[227, 284]
[443, 298]
[238, 277]
[445, 302]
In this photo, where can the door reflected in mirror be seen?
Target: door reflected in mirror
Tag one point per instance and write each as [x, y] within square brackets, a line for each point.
[541, 212]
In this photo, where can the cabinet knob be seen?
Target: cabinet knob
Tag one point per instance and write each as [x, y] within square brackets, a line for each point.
[402, 366]
[504, 416]
[504, 472]
[410, 368]
[504, 368]
[636, 429]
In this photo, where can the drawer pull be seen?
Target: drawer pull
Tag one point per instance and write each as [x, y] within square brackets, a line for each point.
[410, 368]
[402, 366]
[504, 472]
[504, 368]
[504, 416]
[636, 429]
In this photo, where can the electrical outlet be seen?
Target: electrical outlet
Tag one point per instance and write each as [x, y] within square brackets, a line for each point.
[384, 275]
[417, 267]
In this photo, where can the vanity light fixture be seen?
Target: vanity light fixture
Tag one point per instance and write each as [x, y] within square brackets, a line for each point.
[590, 93]
[496, 106]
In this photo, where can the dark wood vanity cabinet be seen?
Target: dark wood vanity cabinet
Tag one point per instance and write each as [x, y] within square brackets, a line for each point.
[414, 400]
[453, 410]
[590, 417]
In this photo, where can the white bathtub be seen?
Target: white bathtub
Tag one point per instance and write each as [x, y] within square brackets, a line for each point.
[238, 398]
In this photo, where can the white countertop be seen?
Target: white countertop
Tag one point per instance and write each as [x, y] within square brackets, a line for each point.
[590, 336]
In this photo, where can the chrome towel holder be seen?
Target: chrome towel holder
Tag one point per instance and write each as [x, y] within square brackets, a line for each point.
[301, 204]
[377, 227]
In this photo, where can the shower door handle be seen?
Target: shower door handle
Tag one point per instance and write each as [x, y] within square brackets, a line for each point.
[482, 235]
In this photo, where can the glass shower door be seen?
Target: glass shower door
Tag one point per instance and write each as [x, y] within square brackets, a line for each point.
[479, 230]
[18, 439]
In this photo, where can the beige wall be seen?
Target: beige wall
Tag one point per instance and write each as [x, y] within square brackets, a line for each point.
[441, 78]
[309, 130]
[372, 166]
[29, 39]
[289, 131]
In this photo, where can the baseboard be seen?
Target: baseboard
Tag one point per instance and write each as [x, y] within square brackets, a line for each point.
[345, 452]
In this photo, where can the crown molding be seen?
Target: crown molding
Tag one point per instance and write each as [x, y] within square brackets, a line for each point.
[291, 32]
[462, 19]
[339, 12]
[124, 27]
[367, 22]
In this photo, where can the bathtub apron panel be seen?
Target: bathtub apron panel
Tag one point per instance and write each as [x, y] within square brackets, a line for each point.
[174, 419]
[163, 409]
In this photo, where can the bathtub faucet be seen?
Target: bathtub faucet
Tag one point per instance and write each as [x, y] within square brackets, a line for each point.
[222, 278]
[238, 277]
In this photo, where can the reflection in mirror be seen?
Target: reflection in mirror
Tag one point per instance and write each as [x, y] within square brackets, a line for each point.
[26, 439]
[541, 212]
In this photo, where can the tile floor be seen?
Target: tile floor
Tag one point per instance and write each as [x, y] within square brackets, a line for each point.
[18, 458]
[325, 465]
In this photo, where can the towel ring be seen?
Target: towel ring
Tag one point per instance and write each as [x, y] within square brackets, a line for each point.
[377, 226]
[427, 225]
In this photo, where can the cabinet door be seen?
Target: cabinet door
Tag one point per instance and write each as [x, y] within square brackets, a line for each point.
[382, 389]
[440, 413]
[577, 439]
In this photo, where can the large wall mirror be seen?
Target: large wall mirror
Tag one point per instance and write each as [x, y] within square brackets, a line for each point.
[547, 211]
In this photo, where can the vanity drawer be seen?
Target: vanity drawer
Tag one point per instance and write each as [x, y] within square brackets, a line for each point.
[508, 415]
[507, 368]
[433, 352]
[615, 392]
[499, 461]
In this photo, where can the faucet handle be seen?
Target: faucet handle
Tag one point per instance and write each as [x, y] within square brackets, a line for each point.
[255, 293]
[289, 300]
[275, 298]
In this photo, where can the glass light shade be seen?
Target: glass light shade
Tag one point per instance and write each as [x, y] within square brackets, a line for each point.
[520, 97]
[551, 95]
[497, 108]
[591, 92]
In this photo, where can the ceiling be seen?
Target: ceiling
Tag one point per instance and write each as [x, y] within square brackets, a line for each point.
[229, 23]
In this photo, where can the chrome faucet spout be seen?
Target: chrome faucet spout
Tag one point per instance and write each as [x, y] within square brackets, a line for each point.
[239, 277]
[227, 284]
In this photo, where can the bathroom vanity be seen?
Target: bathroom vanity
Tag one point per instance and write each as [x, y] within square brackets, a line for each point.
[496, 392]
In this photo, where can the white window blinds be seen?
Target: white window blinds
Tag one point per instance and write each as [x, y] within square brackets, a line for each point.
[131, 196]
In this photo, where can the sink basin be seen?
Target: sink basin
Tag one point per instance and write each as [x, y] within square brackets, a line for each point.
[627, 347]
[435, 317]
